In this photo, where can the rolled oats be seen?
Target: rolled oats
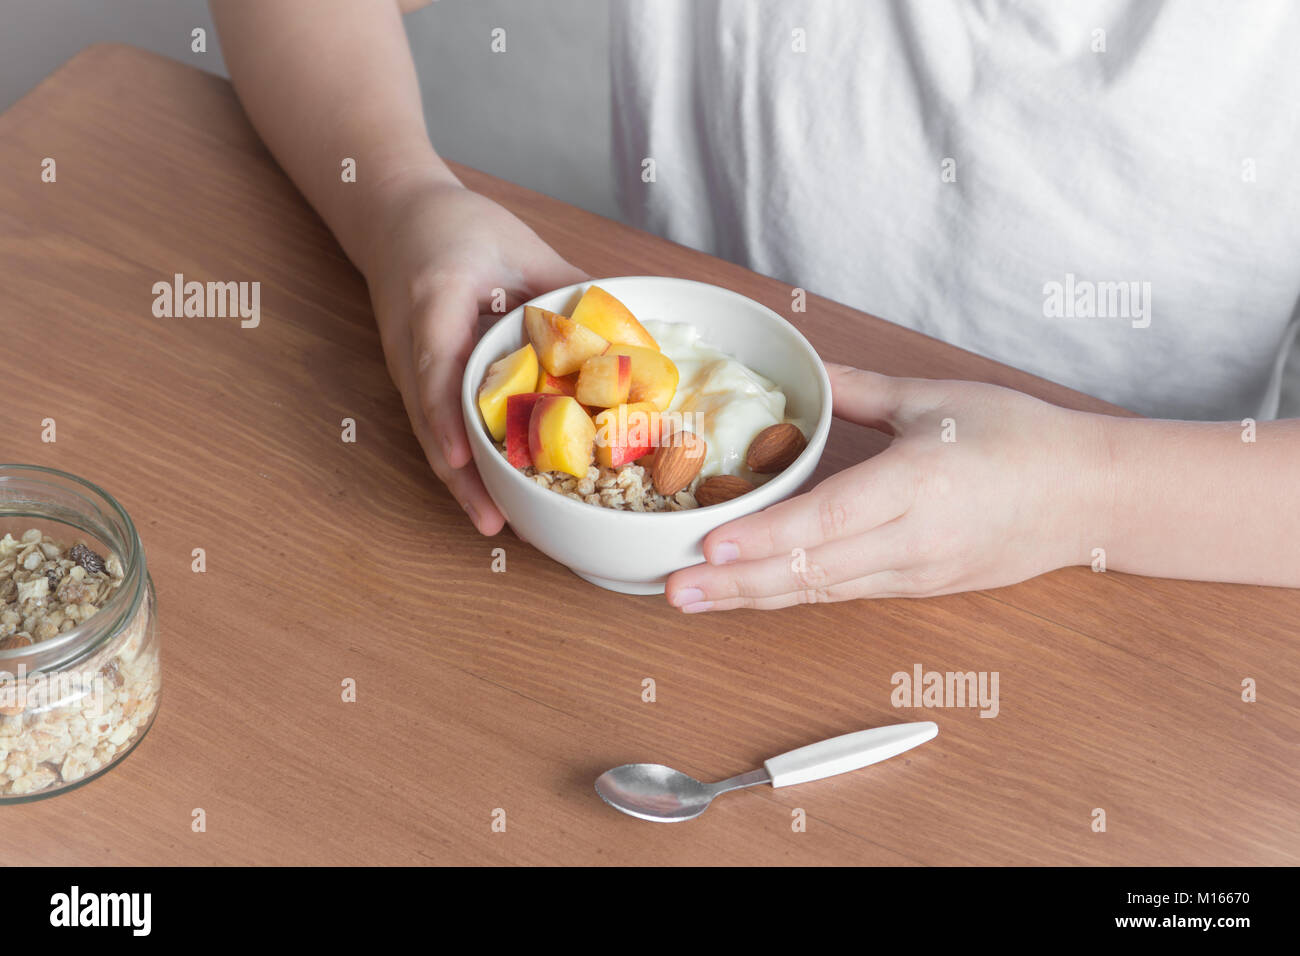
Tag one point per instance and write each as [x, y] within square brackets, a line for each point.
[58, 727]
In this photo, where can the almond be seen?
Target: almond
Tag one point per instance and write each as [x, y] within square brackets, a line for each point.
[775, 448]
[678, 461]
[720, 488]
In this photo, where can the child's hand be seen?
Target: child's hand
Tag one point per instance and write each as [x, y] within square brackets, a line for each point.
[1019, 488]
[437, 253]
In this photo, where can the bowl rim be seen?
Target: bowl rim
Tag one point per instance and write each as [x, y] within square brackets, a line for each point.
[815, 445]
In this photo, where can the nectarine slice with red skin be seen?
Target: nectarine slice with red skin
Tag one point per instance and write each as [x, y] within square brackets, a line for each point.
[515, 373]
[562, 345]
[611, 319]
[626, 433]
[548, 384]
[519, 413]
[561, 436]
[604, 380]
[654, 376]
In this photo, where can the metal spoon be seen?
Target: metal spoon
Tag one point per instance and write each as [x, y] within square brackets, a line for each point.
[652, 791]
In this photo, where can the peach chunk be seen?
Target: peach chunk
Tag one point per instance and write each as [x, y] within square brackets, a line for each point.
[654, 376]
[515, 373]
[626, 433]
[519, 413]
[604, 380]
[562, 344]
[549, 384]
[561, 435]
[611, 319]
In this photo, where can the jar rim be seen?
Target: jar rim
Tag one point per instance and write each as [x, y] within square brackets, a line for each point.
[82, 639]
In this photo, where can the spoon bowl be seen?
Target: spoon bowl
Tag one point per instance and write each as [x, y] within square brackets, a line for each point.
[652, 791]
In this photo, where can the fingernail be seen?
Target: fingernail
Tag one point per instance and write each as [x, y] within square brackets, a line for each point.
[687, 596]
[697, 607]
[724, 553]
[446, 448]
[473, 515]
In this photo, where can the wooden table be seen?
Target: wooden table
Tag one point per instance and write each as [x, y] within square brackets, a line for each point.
[479, 690]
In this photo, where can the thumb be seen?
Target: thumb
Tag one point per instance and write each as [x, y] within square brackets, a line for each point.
[865, 398]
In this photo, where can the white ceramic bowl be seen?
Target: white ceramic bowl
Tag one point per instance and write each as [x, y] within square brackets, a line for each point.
[633, 551]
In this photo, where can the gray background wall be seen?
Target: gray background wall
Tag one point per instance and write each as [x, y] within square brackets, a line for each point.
[544, 128]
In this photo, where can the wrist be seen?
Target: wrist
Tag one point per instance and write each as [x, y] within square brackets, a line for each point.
[1097, 484]
[382, 202]
[401, 179]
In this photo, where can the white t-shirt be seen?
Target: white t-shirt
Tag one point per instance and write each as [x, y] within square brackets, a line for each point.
[1106, 194]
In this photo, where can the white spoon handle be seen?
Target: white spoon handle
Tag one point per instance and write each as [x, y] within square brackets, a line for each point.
[847, 752]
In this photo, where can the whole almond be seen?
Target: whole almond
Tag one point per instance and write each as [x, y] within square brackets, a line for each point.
[678, 461]
[14, 641]
[775, 448]
[720, 488]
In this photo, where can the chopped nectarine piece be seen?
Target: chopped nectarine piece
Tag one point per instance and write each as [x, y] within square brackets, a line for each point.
[515, 373]
[549, 384]
[604, 380]
[561, 435]
[562, 345]
[654, 376]
[626, 433]
[519, 413]
[611, 319]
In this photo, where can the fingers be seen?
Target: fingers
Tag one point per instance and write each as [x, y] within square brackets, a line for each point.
[463, 482]
[882, 584]
[467, 488]
[866, 398]
[442, 336]
[811, 577]
[547, 271]
[851, 502]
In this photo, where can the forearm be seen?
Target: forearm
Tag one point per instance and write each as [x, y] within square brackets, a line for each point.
[325, 80]
[1193, 500]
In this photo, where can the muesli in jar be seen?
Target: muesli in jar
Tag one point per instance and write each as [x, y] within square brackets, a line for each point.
[59, 725]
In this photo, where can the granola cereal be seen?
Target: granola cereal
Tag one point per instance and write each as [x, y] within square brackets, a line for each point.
[57, 728]
[46, 589]
[626, 488]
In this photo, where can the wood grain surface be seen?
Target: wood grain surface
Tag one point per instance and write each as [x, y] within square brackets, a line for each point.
[479, 690]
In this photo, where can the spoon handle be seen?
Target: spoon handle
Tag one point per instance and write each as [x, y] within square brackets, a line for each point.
[847, 752]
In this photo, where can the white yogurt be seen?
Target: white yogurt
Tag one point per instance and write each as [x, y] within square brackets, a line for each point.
[726, 403]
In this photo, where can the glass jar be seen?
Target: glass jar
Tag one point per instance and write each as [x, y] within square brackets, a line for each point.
[75, 702]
